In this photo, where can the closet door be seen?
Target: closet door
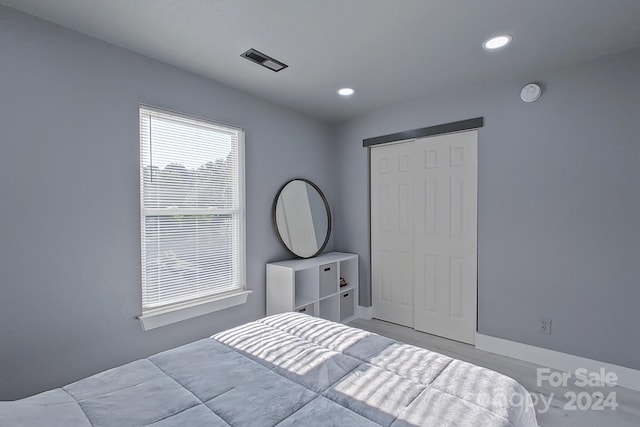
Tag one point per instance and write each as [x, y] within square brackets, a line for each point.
[445, 197]
[392, 233]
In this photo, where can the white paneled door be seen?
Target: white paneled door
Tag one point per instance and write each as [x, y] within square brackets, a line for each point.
[392, 232]
[439, 235]
[445, 194]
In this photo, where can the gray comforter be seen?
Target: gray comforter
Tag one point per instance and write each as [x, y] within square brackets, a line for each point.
[286, 370]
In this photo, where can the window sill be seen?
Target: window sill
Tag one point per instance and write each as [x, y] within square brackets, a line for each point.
[166, 315]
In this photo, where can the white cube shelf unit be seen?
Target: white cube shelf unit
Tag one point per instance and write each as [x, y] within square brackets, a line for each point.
[312, 286]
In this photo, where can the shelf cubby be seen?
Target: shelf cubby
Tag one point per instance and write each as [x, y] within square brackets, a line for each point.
[312, 286]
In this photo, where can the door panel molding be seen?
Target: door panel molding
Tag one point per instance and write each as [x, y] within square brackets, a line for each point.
[437, 227]
[392, 259]
[452, 236]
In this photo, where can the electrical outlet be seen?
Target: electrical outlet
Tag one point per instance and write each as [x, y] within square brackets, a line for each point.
[544, 327]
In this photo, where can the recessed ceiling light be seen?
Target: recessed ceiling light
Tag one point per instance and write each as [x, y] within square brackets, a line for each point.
[346, 91]
[497, 42]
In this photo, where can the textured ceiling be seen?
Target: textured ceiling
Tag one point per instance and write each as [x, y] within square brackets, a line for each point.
[389, 51]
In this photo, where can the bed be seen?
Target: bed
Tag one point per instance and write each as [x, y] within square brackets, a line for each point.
[285, 370]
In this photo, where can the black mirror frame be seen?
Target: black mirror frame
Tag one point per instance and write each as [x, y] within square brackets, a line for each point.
[326, 206]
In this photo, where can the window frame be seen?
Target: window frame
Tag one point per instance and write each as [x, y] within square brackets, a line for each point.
[178, 311]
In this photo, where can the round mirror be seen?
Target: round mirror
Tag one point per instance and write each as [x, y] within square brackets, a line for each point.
[302, 218]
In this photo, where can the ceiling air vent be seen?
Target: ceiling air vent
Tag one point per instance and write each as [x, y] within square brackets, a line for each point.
[264, 60]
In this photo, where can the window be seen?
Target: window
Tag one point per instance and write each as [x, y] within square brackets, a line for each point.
[192, 216]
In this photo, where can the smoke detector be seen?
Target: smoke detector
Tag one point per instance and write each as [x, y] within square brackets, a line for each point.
[264, 60]
[531, 92]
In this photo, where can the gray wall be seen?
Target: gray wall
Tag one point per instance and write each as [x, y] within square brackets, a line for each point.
[558, 203]
[559, 198]
[69, 198]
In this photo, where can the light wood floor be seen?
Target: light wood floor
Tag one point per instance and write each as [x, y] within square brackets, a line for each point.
[626, 414]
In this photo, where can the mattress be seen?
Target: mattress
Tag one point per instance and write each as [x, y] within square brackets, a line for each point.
[284, 370]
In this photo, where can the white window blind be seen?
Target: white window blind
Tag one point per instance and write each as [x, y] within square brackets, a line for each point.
[191, 209]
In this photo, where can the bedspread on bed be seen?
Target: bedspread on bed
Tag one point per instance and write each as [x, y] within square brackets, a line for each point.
[286, 370]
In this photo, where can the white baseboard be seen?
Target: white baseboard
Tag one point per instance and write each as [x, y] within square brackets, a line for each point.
[627, 377]
[365, 312]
